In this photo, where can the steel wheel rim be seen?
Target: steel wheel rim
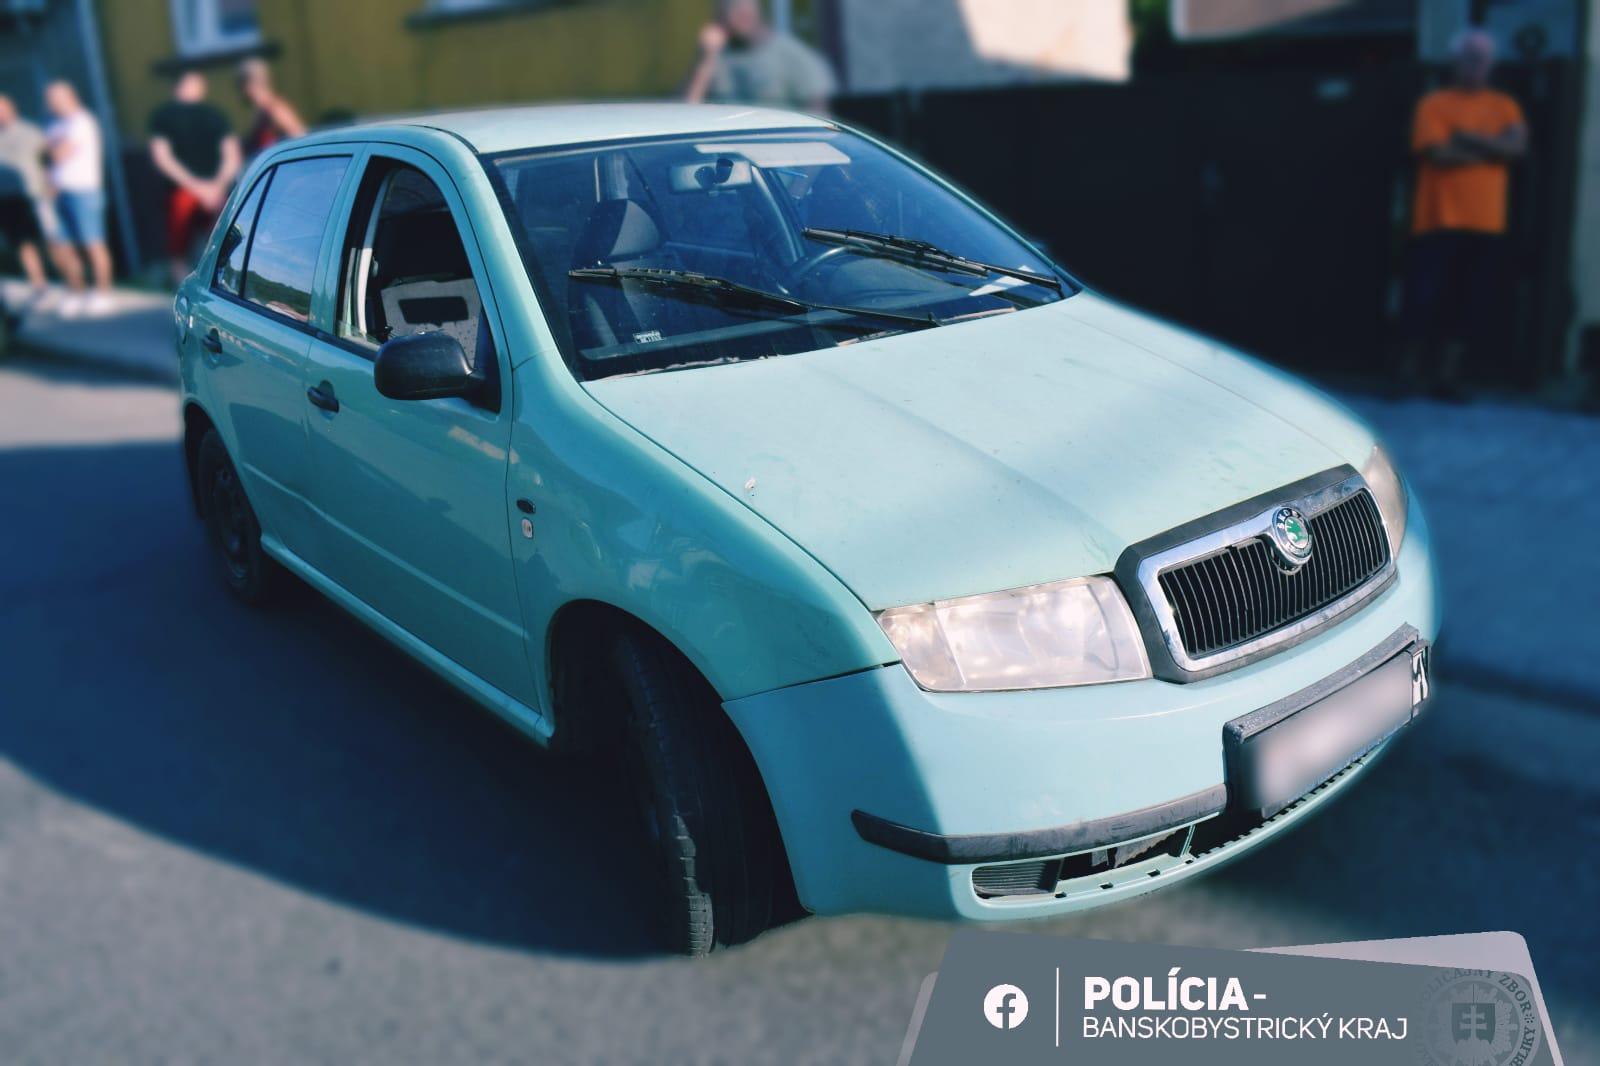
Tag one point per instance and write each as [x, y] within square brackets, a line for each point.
[230, 521]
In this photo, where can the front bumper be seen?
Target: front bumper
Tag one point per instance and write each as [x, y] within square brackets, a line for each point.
[967, 771]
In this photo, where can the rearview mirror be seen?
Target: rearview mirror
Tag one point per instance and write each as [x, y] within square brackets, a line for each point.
[722, 172]
[425, 366]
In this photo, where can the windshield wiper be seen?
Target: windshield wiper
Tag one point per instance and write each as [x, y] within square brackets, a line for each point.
[921, 253]
[732, 293]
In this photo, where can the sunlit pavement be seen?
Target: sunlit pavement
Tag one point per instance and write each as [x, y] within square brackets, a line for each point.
[248, 837]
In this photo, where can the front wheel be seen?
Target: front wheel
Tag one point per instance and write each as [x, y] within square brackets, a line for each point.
[714, 848]
[231, 525]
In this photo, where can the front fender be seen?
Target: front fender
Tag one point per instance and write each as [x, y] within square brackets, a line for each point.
[620, 521]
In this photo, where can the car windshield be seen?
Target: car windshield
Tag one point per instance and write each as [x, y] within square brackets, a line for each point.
[676, 253]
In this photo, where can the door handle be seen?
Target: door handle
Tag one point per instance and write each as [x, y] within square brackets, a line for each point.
[322, 396]
[212, 342]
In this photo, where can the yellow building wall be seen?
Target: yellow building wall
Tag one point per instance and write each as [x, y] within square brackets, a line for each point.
[373, 57]
[133, 35]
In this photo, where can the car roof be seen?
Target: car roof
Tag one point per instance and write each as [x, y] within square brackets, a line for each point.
[506, 129]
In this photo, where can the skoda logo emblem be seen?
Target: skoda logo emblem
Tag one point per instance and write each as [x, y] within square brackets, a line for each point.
[1291, 533]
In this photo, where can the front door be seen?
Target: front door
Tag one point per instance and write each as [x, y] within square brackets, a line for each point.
[411, 494]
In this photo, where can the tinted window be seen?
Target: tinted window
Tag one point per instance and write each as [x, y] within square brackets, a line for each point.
[236, 242]
[288, 235]
[406, 268]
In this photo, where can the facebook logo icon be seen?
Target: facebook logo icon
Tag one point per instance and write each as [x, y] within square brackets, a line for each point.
[1005, 1006]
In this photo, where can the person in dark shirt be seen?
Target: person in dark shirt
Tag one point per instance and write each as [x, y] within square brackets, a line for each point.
[192, 144]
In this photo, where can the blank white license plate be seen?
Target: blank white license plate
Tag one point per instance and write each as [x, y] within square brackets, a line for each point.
[1284, 761]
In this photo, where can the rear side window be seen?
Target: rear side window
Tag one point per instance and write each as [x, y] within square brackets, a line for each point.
[236, 242]
[282, 258]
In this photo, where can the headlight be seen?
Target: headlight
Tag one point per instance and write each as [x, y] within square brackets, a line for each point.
[1390, 493]
[1076, 632]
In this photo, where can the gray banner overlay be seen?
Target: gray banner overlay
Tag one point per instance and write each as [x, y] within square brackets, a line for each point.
[1025, 998]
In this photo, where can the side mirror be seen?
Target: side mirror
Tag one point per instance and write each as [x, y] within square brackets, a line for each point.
[424, 366]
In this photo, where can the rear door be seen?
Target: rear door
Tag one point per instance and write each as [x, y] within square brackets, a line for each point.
[252, 330]
[411, 495]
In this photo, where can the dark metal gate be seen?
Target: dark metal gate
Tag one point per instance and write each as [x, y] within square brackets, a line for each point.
[1266, 207]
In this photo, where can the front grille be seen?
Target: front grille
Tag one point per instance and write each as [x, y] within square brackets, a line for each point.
[1242, 592]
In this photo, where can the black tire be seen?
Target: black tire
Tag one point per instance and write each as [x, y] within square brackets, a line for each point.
[714, 843]
[231, 525]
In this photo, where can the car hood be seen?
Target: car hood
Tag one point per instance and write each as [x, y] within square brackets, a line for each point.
[992, 453]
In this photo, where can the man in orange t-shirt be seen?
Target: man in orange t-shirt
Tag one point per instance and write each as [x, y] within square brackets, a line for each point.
[1465, 137]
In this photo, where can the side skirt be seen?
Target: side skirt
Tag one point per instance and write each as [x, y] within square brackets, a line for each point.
[518, 714]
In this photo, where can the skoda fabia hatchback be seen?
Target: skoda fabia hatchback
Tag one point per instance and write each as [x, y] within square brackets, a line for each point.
[897, 571]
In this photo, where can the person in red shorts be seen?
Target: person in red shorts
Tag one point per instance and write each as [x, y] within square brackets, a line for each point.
[192, 144]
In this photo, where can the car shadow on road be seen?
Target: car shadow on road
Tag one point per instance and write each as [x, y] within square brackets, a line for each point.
[294, 742]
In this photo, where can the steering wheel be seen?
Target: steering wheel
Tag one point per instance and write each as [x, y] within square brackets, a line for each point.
[801, 272]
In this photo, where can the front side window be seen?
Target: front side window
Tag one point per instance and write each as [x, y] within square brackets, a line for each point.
[282, 258]
[405, 267]
[673, 253]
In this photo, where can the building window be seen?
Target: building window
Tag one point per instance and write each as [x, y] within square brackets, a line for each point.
[437, 12]
[207, 26]
[462, 6]
[449, 9]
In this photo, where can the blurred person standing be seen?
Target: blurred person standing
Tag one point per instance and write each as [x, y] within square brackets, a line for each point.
[744, 60]
[275, 119]
[77, 175]
[194, 147]
[1465, 137]
[24, 192]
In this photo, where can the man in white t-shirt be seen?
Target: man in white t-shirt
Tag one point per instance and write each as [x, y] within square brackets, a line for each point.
[77, 175]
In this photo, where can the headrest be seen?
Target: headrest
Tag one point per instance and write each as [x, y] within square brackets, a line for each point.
[617, 229]
[421, 244]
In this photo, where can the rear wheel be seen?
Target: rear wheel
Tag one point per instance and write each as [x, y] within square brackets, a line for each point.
[231, 525]
[717, 862]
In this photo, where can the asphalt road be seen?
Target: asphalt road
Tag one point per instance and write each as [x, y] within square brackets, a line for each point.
[268, 837]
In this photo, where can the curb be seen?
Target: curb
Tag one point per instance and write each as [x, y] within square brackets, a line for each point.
[130, 369]
[129, 349]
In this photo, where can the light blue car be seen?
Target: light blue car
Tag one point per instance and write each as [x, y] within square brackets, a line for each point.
[896, 571]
